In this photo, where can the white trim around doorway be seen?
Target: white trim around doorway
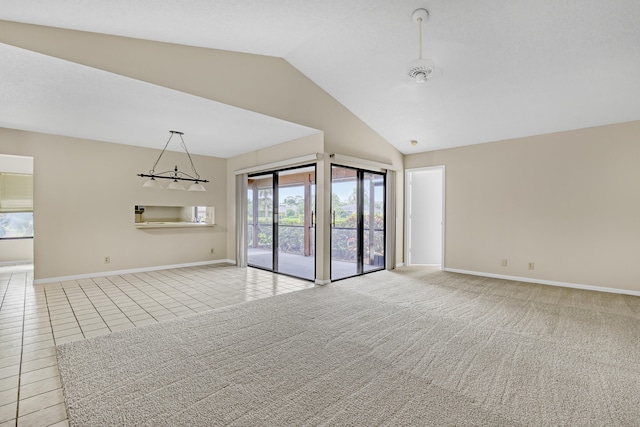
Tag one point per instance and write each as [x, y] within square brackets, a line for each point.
[407, 211]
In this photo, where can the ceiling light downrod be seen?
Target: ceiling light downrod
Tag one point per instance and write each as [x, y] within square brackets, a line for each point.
[421, 69]
[175, 175]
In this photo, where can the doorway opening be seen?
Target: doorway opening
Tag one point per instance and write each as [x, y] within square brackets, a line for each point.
[281, 221]
[358, 209]
[16, 210]
[425, 216]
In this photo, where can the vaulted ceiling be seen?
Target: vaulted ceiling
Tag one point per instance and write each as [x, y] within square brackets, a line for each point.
[509, 68]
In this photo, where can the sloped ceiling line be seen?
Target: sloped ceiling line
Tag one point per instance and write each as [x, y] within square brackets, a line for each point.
[510, 69]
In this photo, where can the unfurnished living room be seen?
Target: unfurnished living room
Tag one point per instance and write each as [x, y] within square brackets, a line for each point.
[319, 213]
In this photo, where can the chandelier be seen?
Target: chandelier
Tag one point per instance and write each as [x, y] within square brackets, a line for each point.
[174, 175]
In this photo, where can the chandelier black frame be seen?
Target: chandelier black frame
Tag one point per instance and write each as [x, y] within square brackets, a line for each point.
[175, 174]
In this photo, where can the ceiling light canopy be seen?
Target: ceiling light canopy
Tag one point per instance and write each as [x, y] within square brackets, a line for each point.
[175, 175]
[421, 69]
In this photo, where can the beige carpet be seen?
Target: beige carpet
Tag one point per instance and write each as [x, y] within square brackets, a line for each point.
[411, 347]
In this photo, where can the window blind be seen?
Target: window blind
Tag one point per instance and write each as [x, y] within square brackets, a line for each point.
[16, 192]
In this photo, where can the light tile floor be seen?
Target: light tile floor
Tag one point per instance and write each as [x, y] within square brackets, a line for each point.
[35, 318]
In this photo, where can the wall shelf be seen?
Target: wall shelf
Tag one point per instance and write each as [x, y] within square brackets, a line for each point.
[174, 216]
[173, 225]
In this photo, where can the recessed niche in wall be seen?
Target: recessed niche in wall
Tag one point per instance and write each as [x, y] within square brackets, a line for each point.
[173, 216]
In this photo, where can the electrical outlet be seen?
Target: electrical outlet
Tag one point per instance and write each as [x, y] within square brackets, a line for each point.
[504, 262]
[107, 259]
[213, 251]
[531, 265]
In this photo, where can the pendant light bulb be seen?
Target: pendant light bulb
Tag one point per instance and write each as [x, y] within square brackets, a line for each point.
[175, 185]
[196, 186]
[152, 183]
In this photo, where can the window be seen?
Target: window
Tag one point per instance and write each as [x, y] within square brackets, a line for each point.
[16, 205]
[199, 213]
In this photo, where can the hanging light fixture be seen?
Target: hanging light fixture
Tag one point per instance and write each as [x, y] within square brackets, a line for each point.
[175, 175]
[421, 69]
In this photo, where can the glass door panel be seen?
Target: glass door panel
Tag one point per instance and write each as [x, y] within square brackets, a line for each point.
[344, 215]
[373, 221]
[296, 222]
[357, 221]
[260, 212]
[281, 221]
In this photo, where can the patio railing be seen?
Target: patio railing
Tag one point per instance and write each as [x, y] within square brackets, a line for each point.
[291, 240]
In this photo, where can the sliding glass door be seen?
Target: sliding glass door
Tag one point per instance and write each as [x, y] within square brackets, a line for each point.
[260, 211]
[357, 221]
[373, 221]
[281, 210]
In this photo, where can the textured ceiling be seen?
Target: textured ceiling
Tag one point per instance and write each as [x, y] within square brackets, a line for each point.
[44, 94]
[511, 68]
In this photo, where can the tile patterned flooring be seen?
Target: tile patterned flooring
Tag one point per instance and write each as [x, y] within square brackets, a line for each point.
[35, 318]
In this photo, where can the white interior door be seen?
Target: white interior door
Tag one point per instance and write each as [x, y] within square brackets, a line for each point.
[425, 225]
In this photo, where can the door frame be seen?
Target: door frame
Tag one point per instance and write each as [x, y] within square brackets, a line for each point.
[360, 171]
[408, 209]
[276, 219]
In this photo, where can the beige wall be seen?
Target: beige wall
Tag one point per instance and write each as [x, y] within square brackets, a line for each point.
[16, 164]
[84, 194]
[16, 250]
[278, 90]
[565, 201]
[569, 202]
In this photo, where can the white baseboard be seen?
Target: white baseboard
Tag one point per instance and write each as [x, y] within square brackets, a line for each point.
[19, 262]
[129, 271]
[400, 264]
[546, 282]
[322, 282]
